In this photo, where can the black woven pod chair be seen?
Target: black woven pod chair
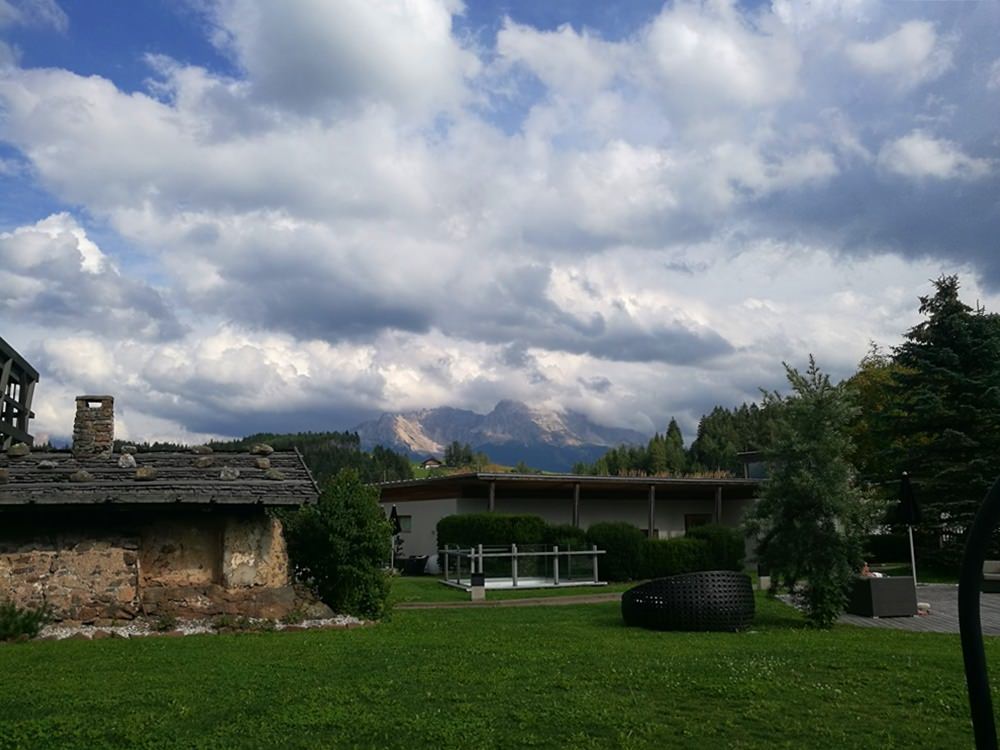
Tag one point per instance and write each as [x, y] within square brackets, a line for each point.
[707, 600]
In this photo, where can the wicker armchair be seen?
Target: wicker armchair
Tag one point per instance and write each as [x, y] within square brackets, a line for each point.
[708, 600]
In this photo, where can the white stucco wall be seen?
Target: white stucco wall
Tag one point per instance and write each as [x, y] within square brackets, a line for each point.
[422, 537]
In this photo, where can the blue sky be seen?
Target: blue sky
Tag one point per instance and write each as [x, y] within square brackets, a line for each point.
[240, 215]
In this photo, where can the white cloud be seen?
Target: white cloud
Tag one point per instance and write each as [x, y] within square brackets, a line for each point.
[911, 55]
[708, 54]
[52, 273]
[919, 155]
[993, 81]
[566, 61]
[33, 13]
[315, 56]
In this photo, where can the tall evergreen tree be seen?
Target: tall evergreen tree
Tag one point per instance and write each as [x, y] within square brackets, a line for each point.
[945, 424]
[676, 459]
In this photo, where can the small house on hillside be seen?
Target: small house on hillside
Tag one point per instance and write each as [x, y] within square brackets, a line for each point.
[431, 463]
[98, 535]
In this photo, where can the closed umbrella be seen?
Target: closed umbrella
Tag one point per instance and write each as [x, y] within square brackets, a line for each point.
[909, 511]
[397, 527]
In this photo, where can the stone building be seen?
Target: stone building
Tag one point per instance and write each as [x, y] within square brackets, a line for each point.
[96, 535]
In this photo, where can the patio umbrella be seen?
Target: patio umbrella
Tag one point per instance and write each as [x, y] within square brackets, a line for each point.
[396, 528]
[909, 511]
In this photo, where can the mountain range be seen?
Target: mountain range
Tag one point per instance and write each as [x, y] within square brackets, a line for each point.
[552, 440]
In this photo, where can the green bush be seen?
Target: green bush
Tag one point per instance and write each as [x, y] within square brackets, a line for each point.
[726, 546]
[340, 545]
[470, 529]
[670, 557]
[17, 622]
[622, 543]
[565, 536]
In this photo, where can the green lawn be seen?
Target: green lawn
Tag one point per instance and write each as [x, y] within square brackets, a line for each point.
[429, 589]
[495, 678]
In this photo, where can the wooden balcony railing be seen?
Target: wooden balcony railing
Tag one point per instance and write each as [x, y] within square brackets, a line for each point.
[17, 387]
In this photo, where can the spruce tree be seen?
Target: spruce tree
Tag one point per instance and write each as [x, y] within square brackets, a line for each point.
[674, 448]
[810, 515]
[945, 424]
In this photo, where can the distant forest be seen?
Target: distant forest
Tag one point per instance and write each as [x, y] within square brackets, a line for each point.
[722, 435]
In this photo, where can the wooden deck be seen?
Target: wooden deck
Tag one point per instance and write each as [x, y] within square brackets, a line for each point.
[943, 617]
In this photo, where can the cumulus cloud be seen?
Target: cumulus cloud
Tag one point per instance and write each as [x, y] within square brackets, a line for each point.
[44, 13]
[911, 55]
[993, 80]
[314, 56]
[919, 155]
[53, 274]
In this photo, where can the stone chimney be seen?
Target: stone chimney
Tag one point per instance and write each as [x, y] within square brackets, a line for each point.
[94, 426]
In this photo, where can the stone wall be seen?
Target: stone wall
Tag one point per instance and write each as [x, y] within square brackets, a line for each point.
[181, 562]
[254, 553]
[78, 578]
[182, 552]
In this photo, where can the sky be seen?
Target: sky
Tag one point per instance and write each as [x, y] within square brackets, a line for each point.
[242, 215]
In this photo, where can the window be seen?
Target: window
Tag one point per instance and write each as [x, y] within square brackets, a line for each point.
[406, 524]
[696, 519]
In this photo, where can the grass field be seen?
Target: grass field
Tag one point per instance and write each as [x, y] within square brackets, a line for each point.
[491, 678]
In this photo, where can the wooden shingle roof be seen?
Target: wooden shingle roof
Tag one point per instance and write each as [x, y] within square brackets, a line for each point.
[178, 478]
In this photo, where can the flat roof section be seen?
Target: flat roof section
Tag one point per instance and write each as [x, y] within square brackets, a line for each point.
[477, 485]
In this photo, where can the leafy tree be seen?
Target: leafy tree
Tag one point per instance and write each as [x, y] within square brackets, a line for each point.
[944, 427]
[339, 546]
[459, 454]
[809, 518]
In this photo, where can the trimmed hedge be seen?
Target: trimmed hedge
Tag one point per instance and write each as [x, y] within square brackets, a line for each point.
[470, 529]
[623, 545]
[565, 536]
[670, 557]
[726, 546]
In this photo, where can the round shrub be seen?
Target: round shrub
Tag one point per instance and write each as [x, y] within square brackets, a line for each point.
[622, 543]
[339, 546]
[726, 546]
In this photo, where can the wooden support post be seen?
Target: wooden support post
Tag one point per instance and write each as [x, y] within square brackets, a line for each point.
[717, 514]
[652, 510]
[596, 579]
[576, 505]
[493, 497]
[446, 564]
[28, 395]
[480, 558]
[555, 565]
